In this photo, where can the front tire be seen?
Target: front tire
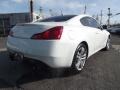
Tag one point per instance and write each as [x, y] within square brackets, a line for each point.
[107, 47]
[80, 57]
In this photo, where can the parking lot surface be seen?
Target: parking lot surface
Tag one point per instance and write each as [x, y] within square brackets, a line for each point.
[101, 72]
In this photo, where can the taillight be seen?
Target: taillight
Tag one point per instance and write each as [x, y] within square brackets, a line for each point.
[51, 34]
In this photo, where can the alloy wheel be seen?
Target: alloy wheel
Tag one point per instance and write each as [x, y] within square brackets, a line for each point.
[80, 57]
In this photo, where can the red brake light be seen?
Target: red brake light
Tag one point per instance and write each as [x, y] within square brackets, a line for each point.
[50, 34]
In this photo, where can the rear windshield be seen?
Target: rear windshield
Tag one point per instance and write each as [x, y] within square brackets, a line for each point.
[57, 18]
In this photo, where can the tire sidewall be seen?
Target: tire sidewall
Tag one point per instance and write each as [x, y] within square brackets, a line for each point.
[108, 47]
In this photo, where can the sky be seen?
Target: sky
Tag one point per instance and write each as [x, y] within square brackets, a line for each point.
[66, 6]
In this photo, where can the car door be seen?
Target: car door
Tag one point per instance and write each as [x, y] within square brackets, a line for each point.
[99, 35]
[90, 34]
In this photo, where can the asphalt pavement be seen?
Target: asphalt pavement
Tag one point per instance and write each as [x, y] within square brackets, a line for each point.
[101, 72]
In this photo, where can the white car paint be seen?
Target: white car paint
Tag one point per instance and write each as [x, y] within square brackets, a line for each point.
[56, 53]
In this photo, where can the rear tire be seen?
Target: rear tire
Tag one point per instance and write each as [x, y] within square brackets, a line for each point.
[80, 57]
[11, 56]
[14, 57]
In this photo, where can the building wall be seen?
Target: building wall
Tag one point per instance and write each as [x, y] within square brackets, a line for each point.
[7, 21]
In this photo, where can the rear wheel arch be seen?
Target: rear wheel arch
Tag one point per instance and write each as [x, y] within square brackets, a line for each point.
[83, 43]
[109, 36]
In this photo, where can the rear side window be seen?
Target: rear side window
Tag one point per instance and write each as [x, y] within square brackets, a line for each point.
[88, 21]
[93, 23]
[57, 18]
[85, 21]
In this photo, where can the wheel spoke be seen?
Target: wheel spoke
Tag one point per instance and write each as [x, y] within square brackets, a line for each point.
[78, 64]
[82, 64]
[78, 55]
[83, 57]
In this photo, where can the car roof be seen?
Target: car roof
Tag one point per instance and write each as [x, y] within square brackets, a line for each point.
[80, 16]
[76, 20]
[72, 16]
[83, 15]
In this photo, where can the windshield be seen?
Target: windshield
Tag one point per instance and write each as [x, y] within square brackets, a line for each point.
[57, 18]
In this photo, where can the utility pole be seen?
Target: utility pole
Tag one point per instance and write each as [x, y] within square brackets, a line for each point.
[61, 12]
[109, 16]
[31, 10]
[85, 8]
[101, 15]
[93, 16]
[3, 27]
[41, 10]
[97, 17]
[41, 13]
[51, 12]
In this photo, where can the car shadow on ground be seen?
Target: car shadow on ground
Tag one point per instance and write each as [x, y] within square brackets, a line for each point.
[15, 73]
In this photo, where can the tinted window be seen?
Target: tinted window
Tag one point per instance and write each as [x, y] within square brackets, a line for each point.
[84, 21]
[87, 21]
[57, 18]
[93, 23]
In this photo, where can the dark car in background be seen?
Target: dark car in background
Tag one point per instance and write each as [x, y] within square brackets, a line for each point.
[114, 30]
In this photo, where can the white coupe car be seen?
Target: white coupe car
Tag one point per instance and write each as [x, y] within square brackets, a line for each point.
[59, 42]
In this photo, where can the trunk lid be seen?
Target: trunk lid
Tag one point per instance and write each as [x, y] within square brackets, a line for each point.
[27, 30]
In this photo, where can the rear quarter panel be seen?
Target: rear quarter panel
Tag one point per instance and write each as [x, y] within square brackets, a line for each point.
[77, 34]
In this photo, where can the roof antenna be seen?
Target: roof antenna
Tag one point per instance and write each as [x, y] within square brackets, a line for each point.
[85, 8]
[31, 10]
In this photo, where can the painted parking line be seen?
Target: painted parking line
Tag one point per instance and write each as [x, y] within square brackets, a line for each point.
[3, 49]
[116, 47]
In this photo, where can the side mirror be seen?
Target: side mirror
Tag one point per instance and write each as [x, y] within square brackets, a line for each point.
[104, 27]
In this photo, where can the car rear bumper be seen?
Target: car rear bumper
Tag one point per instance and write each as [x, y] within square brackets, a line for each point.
[55, 54]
